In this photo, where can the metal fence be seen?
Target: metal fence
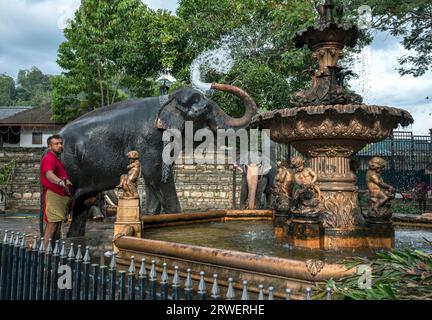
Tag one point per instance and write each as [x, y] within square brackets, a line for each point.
[407, 155]
[31, 272]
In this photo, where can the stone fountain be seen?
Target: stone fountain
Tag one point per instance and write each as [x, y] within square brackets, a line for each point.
[328, 124]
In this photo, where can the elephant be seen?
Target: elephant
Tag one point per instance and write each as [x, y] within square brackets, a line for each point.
[96, 144]
[258, 179]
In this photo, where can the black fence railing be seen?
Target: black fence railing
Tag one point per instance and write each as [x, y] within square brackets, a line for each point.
[31, 272]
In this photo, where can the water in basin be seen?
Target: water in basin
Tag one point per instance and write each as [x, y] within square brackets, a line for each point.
[258, 237]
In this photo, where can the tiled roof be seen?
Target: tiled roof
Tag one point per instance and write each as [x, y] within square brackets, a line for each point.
[37, 116]
[7, 111]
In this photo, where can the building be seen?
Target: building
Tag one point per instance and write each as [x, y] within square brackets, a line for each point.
[26, 127]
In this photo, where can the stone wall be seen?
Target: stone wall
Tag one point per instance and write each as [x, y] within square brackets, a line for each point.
[199, 187]
[24, 191]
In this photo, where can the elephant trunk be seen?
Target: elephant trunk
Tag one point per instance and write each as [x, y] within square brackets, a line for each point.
[251, 108]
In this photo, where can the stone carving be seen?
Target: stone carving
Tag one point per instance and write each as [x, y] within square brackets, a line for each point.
[314, 266]
[307, 194]
[282, 190]
[338, 209]
[129, 181]
[380, 192]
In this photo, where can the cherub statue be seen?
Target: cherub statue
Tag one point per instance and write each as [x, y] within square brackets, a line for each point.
[282, 190]
[307, 194]
[380, 192]
[129, 181]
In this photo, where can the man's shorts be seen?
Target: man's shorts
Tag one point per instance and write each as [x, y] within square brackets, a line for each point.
[56, 207]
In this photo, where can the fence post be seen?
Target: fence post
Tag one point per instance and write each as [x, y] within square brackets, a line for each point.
[261, 292]
[26, 277]
[164, 283]
[142, 276]
[102, 282]
[230, 294]
[70, 263]
[152, 281]
[21, 268]
[47, 271]
[94, 282]
[86, 270]
[270, 296]
[40, 268]
[9, 266]
[131, 279]
[176, 285]
[60, 292]
[202, 287]
[308, 293]
[288, 293]
[53, 274]
[33, 269]
[15, 264]
[329, 294]
[215, 291]
[3, 266]
[245, 294]
[122, 285]
[188, 287]
[112, 270]
[77, 277]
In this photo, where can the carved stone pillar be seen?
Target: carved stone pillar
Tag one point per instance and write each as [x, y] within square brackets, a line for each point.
[339, 194]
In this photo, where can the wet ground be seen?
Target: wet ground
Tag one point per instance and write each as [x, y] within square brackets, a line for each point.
[251, 236]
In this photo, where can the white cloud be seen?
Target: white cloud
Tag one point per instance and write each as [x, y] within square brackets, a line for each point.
[30, 35]
[381, 84]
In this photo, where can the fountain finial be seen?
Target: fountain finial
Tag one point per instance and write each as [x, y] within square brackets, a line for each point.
[328, 10]
[327, 40]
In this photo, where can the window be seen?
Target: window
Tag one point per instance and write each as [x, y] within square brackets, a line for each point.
[37, 138]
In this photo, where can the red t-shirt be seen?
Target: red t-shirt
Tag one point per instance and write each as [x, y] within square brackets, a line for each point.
[51, 162]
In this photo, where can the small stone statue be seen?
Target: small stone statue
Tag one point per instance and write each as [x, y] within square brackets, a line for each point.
[380, 192]
[307, 194]
[282, 190]
[129, 181]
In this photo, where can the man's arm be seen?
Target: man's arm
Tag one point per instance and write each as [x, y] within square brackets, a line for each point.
[50, 175]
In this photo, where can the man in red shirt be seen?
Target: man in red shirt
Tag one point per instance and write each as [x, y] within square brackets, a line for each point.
[56, 184]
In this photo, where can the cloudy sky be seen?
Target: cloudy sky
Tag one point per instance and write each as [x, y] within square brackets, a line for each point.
[31, 30]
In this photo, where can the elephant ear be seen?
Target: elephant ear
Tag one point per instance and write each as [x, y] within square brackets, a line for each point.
[171, 114]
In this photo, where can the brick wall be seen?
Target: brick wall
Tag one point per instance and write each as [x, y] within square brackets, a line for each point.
[199, 187]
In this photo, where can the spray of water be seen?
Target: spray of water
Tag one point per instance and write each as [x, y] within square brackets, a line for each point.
[361, 66]
[251, 40]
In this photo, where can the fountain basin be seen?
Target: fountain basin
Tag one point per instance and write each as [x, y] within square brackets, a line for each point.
[313, 126]
[233, 249]
[281, 273]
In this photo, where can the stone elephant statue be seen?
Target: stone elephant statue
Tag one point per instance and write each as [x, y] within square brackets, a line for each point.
[96, 144]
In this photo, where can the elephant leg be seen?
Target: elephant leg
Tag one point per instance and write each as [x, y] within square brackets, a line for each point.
[153, 202]
[261, 186]
[79, 219]
[243, 192]
[170, 201]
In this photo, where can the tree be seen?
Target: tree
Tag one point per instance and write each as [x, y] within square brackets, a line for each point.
[272, 70]
[410, 20]
[107, 56]
[33, 87]
[7, 90]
